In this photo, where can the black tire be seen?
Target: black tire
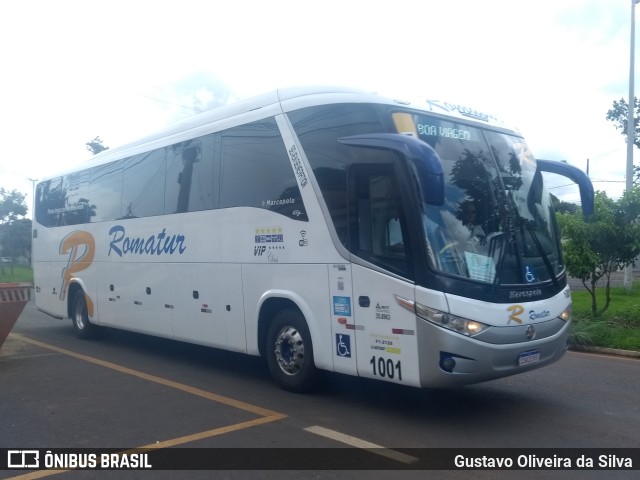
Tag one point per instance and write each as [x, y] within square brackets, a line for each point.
[80, 317]
[289, 352]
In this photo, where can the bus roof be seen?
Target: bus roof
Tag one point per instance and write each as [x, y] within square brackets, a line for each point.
[286, 100]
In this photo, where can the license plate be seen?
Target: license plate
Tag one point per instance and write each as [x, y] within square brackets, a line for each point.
[527, 358]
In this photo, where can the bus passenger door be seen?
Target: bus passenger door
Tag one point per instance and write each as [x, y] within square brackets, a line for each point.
[342, 319]
[385, 332]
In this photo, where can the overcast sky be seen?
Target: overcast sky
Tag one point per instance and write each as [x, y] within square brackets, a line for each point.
[73, 70]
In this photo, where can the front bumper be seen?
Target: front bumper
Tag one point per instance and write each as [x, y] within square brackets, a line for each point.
[450, 359]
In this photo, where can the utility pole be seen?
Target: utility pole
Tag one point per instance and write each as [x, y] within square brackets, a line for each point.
[631, 127]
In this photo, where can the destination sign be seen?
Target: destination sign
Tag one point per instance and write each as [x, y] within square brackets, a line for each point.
[431, 130]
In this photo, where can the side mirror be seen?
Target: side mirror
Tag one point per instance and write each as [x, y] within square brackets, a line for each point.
[420, 157]
[577, 176]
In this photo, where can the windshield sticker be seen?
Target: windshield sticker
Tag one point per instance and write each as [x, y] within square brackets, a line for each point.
[528, 274]
[480, 267]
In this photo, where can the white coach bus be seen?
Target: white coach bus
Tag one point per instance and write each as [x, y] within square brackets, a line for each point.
[323, 229]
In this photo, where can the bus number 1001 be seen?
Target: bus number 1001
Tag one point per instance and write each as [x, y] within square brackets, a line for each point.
[385, 368]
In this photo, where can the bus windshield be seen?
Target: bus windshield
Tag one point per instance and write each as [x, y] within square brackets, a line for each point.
[496, 224]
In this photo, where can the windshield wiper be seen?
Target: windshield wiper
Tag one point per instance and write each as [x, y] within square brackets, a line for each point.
[507, 214]
[541, 252]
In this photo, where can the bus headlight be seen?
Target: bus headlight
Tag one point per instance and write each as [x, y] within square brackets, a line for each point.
[451, 322]
[457, 324]
[565, 314]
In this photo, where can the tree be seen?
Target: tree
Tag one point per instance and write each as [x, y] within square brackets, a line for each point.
[12, 206]
[18, 239]
[95, 146]
[618, 115]
[560, 206]
[609, 241]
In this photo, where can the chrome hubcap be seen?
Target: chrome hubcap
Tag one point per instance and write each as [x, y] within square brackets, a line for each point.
[289, 350]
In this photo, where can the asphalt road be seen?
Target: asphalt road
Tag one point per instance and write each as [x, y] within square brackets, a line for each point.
[127, 390]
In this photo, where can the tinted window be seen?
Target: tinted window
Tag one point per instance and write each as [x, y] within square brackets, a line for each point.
[143, 185]
[105, 192]
[52, 208]
[378, 227]
[256, 171]
[319, 129]
[190, 176]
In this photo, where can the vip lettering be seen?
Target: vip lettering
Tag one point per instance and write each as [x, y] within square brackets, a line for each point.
[258, 250]
[159, 244]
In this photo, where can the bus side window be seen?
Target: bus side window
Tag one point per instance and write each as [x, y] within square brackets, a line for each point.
[190, 179]
[256, 171]
[377, 221]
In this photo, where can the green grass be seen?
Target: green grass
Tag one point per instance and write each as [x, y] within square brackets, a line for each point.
[21, 273]
[617, 327]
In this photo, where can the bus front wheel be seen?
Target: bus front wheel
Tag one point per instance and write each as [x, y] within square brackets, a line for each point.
[289, 351]
[80, 317]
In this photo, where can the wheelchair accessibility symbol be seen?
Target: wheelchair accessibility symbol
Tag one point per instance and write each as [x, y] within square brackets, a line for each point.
[343, 345]
[529, 274]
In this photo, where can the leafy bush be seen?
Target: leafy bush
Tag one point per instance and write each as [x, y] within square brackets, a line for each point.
[618, 327]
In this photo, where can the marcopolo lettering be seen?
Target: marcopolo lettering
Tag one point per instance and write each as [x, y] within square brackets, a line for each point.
[159, 244]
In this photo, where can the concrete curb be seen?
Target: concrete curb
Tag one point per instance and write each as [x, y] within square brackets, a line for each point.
[605, 351]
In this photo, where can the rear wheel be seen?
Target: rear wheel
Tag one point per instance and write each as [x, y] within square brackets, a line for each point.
[80, 317]
[289, 351]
